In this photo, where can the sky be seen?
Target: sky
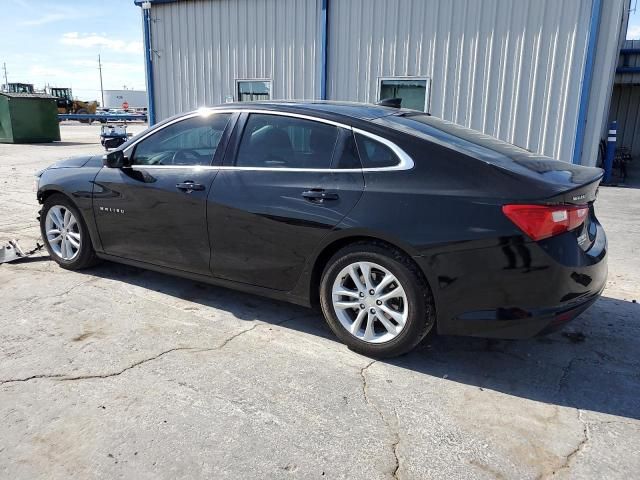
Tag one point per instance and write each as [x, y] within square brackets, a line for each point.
[57, 42]
[633, 31]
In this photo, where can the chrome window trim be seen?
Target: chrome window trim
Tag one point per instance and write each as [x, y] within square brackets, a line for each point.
[258, 169]
[297, 115]
[405, 161]
[200, 112]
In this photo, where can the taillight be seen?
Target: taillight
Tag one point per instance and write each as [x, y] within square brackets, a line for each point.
[541, 221]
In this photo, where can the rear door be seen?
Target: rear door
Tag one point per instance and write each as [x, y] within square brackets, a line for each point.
[155, 210]
[278, 194]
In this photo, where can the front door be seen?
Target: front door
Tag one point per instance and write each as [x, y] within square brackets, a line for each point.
[278, 196]
[155, 210]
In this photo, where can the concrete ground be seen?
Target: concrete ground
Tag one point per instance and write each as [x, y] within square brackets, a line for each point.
[117, 372]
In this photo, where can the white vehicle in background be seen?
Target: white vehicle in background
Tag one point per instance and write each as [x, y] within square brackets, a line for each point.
[115, 99]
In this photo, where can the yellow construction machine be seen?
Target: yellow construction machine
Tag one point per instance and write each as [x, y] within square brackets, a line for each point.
[67, 104]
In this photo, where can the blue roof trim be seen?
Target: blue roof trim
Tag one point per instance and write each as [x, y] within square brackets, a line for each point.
[148, 60]
[324, 22]
[629, 51]
[594, 27]
[628, 70]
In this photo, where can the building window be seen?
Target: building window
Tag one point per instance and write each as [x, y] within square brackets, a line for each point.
[251, 90]
[414, 91]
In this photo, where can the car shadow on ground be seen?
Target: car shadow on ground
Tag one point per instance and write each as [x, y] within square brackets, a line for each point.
[592, 365]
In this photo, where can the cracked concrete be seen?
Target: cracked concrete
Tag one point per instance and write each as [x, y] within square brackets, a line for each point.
[63, 377]
[119, 372]
[565, 466]
[580, 447]
[393, 428]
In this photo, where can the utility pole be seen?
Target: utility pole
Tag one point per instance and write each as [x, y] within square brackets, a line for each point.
[6, 82]
[101, 90]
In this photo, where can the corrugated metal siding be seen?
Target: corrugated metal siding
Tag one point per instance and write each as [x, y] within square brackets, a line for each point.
[625, 109]
[510, 68]
[201, 48]
[613, 27]
[633, 60]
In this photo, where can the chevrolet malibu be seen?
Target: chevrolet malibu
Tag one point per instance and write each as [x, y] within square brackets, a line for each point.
[394, 222]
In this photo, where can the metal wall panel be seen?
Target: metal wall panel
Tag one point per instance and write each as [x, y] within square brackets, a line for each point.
[625, 109]
[613, 28]
[202, 47]
[510, 68]
[633, 60]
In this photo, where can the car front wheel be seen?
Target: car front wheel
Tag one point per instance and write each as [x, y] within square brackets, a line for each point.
[376, 300]
[65, 235]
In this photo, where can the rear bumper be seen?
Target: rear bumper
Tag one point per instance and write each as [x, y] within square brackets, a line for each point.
[515, 289]
[516, 323]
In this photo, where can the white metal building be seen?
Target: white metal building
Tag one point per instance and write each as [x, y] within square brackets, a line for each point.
[625, 103]
[116, 98]
[537, 73]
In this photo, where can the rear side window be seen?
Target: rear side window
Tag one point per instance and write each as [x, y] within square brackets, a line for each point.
[374, 154]
[276, 141]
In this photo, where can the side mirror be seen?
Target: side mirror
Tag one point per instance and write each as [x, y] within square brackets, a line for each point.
[115, 159]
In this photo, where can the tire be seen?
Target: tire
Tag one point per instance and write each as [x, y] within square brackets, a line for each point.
[84, 111]
[71, 258]
[405, 304]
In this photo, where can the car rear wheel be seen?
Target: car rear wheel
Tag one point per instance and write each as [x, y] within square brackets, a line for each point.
[376, 300]
[65, 235]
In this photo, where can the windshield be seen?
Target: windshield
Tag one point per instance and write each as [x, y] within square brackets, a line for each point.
[20, 88]
[61, 92]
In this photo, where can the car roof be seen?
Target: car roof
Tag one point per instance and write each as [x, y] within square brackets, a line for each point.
[330, 110]
[360, 111]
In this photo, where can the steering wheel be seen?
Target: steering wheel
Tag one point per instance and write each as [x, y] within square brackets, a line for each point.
[186, 154]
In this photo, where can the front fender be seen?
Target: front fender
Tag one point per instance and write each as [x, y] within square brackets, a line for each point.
[77, 185]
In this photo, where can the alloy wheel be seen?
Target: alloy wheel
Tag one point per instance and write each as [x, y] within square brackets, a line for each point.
[63, 232]
[370, 302]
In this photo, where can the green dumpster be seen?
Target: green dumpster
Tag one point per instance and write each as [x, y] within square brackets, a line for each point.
[28, 118]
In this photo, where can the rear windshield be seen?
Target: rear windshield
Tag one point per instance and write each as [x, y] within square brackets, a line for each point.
[454, 135]
[488, 149]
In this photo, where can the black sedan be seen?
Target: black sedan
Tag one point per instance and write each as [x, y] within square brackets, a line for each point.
[391, 220]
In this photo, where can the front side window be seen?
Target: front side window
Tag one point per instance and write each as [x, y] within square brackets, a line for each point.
[189, 142]
[412, 91]
[276, 141]
[374, 154]
[252, 90]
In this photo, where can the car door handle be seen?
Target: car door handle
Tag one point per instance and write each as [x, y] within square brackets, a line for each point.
[189, 186]
[319, 195]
